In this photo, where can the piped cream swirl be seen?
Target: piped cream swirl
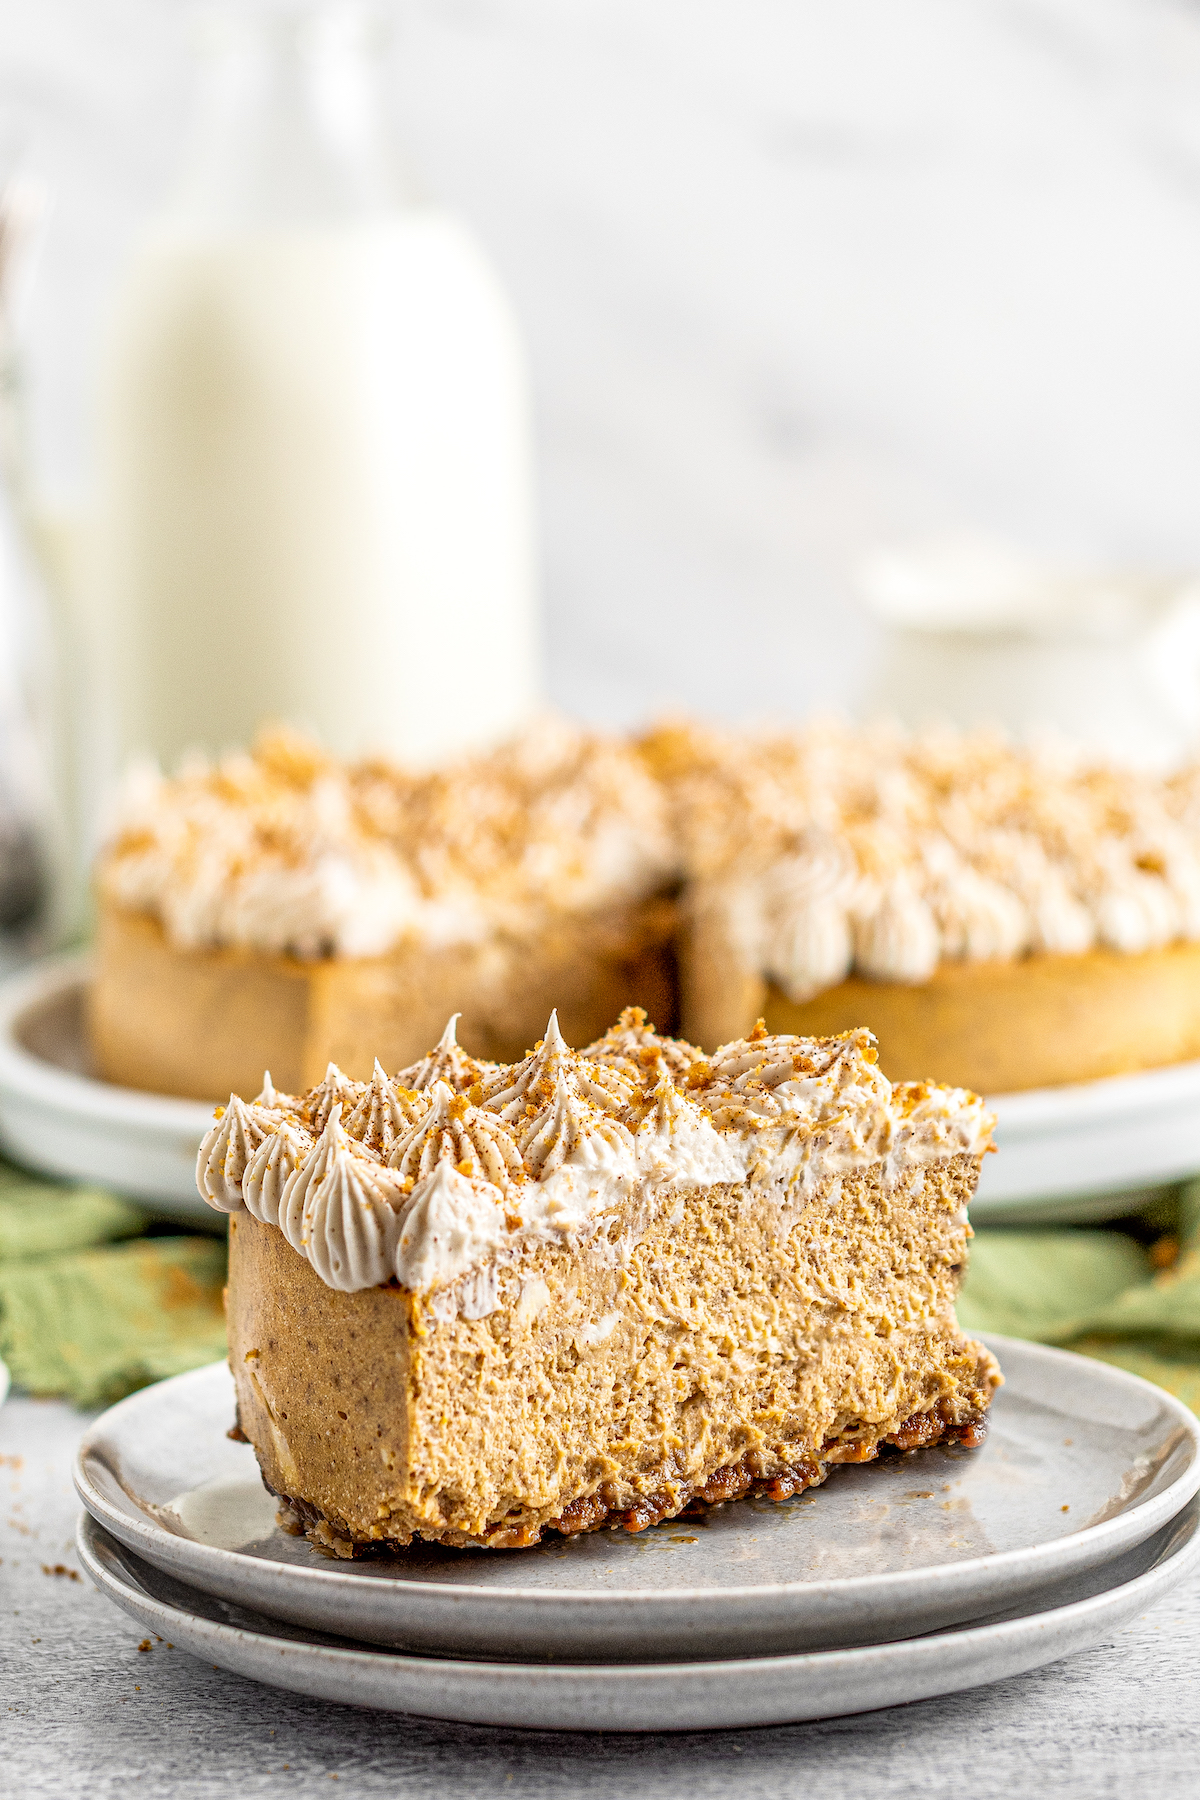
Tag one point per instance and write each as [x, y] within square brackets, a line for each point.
[452, 1224]
[385, 1113]
[351, 1222]
[447, 1062]
[808, 943]
[897, 936]
[511, 1091]
[333, 1090]
[227, 1149]
[636, 1049]
[570, 1128]
[272, 1167]
[308, 1176]
[452, 1130]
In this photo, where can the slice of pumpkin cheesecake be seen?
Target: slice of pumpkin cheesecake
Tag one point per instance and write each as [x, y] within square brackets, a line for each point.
[473, 1302]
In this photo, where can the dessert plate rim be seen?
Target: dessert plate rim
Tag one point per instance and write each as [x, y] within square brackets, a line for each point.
[662, 1696]
[70, 1124]
[912, 1598]
[46, 980]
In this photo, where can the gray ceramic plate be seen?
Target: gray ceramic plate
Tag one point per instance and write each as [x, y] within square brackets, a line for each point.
[1083, 1462]
[687, 1696]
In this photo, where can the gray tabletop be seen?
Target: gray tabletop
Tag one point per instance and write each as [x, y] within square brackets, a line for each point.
[85, 1711]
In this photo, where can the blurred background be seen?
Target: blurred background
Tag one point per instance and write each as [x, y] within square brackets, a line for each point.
[834, 316]
[793, 279]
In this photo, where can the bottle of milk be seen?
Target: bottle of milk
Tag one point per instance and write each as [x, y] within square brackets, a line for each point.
[314, 461]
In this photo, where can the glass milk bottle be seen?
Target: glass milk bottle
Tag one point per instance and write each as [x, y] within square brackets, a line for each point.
[314, 463]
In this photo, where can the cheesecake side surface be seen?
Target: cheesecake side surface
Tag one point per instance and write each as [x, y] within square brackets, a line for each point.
[196, 1023]
[698, 1278]
[202, 1021]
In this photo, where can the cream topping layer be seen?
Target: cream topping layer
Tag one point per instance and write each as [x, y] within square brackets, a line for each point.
[827, 850]
[287, 850]
[441, 1175]
[834, 849]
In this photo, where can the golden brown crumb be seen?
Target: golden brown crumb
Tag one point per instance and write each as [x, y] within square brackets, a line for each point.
[1164, 1252]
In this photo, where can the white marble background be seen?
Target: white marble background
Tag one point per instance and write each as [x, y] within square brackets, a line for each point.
[797, 278]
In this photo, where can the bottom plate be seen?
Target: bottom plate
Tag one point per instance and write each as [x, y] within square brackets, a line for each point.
[1083, 1461]
[695, 1696]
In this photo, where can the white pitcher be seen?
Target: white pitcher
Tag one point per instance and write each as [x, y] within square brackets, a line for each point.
[978, 634]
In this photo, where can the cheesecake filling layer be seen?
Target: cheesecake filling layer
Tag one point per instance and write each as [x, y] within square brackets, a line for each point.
[728, 1348]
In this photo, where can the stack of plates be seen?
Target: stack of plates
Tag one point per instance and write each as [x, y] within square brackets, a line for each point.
[923, 1574]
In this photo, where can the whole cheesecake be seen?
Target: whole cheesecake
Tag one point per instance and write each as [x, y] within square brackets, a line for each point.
[476, 1302]
[999, 917]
